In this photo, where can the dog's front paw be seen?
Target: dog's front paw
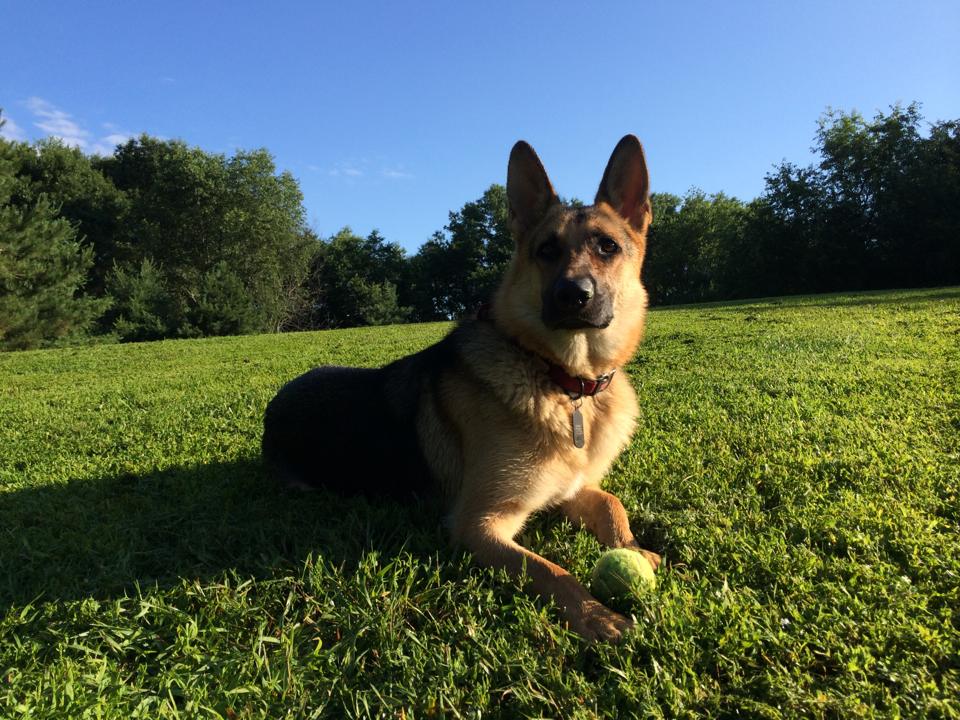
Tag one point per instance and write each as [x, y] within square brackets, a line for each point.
[651, 557]
[597, 622]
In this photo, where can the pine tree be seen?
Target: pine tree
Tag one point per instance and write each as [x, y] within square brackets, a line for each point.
[42, 270]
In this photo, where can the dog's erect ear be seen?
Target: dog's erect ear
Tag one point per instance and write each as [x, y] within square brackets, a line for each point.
[626, 183]
[529, 191]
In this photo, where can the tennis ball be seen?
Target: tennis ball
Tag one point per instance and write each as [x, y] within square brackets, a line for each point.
[620, 574]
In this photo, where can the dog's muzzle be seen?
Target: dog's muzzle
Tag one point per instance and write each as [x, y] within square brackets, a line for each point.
[574, 303]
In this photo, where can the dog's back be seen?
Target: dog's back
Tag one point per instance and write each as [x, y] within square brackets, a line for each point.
[354, 430]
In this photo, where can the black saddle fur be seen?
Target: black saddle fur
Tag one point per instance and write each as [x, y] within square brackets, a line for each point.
[354, 430]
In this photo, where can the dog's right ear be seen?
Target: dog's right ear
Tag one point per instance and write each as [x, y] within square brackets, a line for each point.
[529, 192]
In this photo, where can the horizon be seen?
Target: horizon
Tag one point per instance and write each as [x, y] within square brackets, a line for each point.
[394, 123]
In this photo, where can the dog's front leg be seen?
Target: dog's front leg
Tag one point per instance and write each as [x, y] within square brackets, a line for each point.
[603, 514]
[491, 542]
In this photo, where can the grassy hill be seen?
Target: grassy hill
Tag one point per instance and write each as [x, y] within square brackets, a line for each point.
[796, 462]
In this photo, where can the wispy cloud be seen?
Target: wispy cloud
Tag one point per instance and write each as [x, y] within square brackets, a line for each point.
[57, 123]
[346, 169]
[364, 168]
[167, 80]
[108, 143]
[10, 130]
[395, 174]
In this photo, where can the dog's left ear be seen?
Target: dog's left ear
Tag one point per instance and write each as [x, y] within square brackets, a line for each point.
[626, 184]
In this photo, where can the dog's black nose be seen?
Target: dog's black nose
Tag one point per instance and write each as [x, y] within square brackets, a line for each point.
[573, 293]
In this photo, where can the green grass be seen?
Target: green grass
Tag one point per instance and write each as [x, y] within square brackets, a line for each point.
[796, 462]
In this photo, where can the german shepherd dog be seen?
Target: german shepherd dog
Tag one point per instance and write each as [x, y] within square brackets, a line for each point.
[516, 411]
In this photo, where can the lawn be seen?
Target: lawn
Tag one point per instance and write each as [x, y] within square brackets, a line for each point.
[796, 462]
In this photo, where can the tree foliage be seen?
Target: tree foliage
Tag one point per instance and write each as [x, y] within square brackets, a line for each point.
[692, 246]
[83, 196]
[43, 267]
[459, 268]
[881, 208]
[353, 281]
[161, 239]
[142, 302]
[227, 235]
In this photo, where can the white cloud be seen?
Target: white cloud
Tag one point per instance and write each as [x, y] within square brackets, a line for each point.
[394, 174]
[108, 143]
[346, 169]
[11, 131]
[116, 138]
[57, 123]
[366, 168]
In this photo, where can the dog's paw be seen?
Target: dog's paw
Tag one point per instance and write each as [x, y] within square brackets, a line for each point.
[597, 622]
[651, 557]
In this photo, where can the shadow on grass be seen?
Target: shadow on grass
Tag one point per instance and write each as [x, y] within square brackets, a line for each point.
[101, 538]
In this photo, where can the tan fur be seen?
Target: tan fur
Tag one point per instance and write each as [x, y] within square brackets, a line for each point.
[497, 432]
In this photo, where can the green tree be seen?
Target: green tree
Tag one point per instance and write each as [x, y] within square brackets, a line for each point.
[665, 265]
[375, 303]
[786, 230]
[222, 305]
[696, 247]
[142, 306]
[878, 210]
[81, 194]
[459, 268]
[353, 281]
[42, 268]
[213, 225]
[936, 189]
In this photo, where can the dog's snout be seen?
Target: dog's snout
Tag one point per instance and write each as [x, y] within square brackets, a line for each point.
[574, 293]
[572, 302]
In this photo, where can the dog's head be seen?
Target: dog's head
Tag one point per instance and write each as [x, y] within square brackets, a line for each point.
[572, 292]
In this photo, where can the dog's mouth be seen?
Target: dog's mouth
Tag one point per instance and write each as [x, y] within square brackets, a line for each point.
[576, 323]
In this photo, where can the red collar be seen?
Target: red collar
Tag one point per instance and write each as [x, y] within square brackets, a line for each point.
[578, 387]
[575, 386]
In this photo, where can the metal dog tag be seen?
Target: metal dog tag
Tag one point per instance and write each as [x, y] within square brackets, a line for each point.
[577, 428]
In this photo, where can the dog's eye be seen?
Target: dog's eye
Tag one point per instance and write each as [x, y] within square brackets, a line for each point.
[607, 246]
[550, 250]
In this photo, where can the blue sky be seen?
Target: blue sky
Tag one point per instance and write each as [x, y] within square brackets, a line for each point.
[393, 114]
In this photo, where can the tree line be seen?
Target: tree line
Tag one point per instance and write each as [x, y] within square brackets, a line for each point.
[163, 240]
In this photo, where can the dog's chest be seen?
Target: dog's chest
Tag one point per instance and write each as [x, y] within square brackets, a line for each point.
[549, 486]
[586, 432]
[568, 490]
[559, 474]
[562, 468]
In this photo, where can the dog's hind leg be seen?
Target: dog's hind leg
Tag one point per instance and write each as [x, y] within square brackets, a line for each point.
[603, 514]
